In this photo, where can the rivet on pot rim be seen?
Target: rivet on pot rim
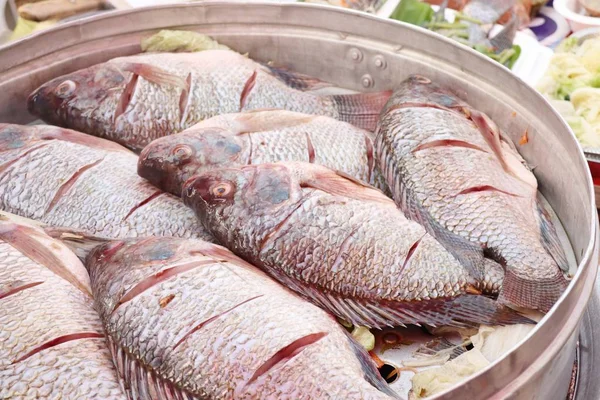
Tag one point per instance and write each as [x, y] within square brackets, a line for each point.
[379, 62]
[367, 81]
[356, 55]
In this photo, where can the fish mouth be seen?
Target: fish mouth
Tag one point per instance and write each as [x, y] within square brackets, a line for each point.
[157, 171]
[44, 105]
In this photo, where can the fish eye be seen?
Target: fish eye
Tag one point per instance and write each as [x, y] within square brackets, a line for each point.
[66, 88]
[182, 151]
[221, 189]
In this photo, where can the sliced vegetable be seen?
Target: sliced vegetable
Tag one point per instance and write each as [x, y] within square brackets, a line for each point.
[572, 83]
[364, 336]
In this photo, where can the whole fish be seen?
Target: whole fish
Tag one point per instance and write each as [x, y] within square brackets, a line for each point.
[51, 340]
[341, 244]
[259, 137]
[67, 178]
[451, 169]
[187, 319]
[134, 100]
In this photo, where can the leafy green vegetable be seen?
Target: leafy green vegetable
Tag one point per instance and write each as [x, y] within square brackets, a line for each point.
[514, 57]
[414, 12]
[179, 41]
[419, 13]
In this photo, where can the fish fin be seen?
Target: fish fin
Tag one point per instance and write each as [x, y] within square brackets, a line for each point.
[469, 254]
[13, 136]
[370, 372]
[536, 294]
[33, 243]
[503, 148]
[268, 120]
[490, 132]
[80, 242]
[296, 80]
[550, 239]
[154, 74]
[338, 183]
[140, 383]
[462, 311]
[220, 253]
[361, 109]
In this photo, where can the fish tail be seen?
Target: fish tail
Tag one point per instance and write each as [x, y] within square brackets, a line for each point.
[550, 238]
[361, 109]
[537, 294]
[371, 375]
[477, 309]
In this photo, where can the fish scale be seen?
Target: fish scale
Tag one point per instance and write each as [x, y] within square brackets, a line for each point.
[259, 137]
[134, 100]
[43, 306]
[447, 173]
[208, 342]
[106, 199]
[315, 231]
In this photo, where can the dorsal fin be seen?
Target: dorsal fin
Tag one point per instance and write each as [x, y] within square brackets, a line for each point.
[140, 383]
[461, 311]
[154, 74]
[35, 244]
[337, 183]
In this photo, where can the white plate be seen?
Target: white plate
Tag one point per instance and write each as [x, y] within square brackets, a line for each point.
[575, 14]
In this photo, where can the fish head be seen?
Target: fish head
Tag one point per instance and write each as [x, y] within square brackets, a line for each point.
[72, 99]
[169, 161]
[250, 200]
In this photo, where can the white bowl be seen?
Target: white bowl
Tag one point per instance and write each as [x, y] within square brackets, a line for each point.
[573, 12]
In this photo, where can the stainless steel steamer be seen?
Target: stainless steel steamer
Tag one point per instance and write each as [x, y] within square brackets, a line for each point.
[363, 52]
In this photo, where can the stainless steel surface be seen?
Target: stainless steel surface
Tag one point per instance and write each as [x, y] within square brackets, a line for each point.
[359, 51]
[588, 384]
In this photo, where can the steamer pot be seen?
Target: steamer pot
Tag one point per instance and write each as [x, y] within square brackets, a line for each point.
[363, 52]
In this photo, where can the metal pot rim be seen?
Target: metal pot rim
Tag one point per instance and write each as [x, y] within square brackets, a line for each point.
[81, 31]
